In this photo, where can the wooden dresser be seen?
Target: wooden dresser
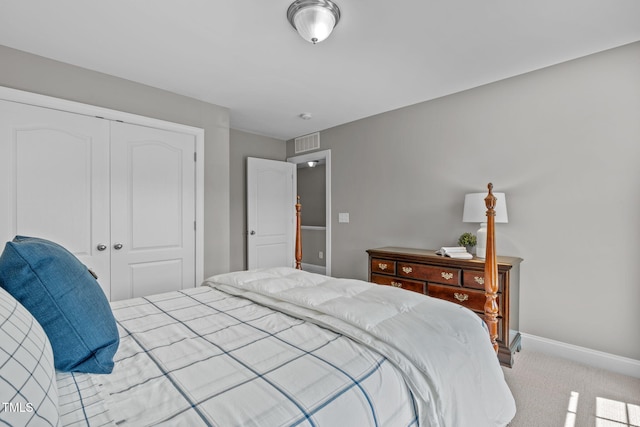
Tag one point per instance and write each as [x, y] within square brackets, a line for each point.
[457, 280]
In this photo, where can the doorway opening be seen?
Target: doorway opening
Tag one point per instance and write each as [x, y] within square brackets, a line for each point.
[313, 173]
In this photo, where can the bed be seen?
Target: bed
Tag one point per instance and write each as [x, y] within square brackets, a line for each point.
[268, 347]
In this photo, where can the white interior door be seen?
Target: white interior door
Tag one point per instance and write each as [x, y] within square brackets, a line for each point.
[270, 213]
[152, 210]
[54, 181]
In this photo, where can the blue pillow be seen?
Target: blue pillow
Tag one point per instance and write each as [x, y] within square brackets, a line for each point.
[67, 301]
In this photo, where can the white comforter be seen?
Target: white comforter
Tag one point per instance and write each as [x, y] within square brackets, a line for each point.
[205, 357]
[441, 348]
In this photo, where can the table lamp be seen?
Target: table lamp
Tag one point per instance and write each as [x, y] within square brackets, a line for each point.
[475, 210]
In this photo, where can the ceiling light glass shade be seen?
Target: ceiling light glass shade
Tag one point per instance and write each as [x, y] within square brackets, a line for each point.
[313, 19]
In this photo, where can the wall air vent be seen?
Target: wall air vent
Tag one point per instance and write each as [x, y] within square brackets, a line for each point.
[307, 142]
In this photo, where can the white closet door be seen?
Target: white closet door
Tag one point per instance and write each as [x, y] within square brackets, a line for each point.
[152, 211]
[54, 181]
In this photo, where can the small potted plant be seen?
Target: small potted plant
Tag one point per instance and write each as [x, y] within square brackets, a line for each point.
[467, 240]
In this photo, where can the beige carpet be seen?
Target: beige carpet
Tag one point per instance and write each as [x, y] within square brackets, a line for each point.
[551, 391]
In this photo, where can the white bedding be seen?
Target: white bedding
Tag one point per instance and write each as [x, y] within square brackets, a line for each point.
[281, 347]
[442, 348]
[205, 357]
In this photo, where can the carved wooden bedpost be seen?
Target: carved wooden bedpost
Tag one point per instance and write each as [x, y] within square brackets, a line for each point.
[298, 235]
[491, 271]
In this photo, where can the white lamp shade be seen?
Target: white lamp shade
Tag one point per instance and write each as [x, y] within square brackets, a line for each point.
[314, 23]
[475, 209]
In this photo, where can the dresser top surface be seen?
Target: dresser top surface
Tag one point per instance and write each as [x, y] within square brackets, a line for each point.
[427, 254]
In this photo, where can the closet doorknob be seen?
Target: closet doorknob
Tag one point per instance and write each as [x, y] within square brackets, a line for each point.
[117, 246]
[101, 247]
[252, 232]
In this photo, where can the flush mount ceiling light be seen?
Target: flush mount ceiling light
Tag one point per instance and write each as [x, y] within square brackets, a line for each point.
[313, 19]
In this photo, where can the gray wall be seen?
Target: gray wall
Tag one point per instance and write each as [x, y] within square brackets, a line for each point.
[243, 145]
[20, 70]
[314, 242]
[563, 143]
[312, 189]
[312, 192]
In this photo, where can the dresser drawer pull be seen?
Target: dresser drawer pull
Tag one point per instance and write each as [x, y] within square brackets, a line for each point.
[382, 266]
[396, 284]
[446, 276]
[407, 270]
[461, 297]
[479, 280]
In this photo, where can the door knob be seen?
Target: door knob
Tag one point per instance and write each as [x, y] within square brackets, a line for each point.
[252, 232]
[101, 247]
[117, 246]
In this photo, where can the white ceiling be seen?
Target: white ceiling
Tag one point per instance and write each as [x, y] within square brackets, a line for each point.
[383, 55]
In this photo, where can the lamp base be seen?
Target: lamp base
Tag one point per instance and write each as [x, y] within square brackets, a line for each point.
[481, 248]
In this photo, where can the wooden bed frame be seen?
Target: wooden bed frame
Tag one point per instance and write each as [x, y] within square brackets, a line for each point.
[490, 265]
[491, 271]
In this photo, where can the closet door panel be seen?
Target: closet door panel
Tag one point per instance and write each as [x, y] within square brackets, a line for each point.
[152, 210]
[55, 182]
[144, 277]
[156, 188]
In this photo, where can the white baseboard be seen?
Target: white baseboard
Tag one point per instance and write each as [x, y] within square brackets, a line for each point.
[313, 268]
[586, 356]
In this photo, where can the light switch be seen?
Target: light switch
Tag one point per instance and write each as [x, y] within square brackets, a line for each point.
[343, 217]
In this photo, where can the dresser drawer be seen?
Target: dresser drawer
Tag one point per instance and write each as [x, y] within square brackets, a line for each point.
[442, 277]
[429, 273]
[475, 279]
[410, 285]
[383, 266]
[500, 327]
[469, 298]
